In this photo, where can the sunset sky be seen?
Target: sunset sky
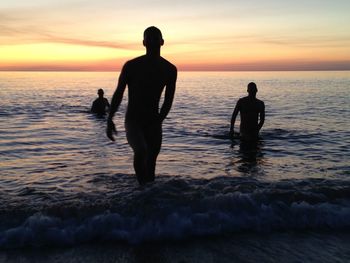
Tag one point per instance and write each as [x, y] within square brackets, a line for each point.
[198, 34]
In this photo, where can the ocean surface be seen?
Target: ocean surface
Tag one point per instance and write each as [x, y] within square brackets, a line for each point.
[65, 187]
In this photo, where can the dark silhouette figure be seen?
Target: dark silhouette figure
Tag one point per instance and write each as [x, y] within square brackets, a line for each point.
[146, 78]
[101, 104]
[252, 112]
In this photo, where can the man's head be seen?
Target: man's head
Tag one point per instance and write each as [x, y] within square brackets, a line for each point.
[252, 89]
[152, 38]
[100, 93]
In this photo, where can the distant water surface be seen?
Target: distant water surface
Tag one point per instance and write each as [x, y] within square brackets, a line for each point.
[63, 182]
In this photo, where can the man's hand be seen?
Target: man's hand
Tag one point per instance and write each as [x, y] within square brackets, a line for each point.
[233, 134]
[230, 134]
[110, 129]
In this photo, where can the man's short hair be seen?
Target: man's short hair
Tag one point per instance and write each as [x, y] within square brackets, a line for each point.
[152, 30]
[252, 87]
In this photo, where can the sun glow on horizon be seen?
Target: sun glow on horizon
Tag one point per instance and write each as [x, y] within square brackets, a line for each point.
[71, 35]
[46, 52]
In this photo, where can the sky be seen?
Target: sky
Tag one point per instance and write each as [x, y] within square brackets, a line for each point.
[234, 35]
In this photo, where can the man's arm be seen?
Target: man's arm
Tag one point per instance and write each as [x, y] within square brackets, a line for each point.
[93, 107]
[116, 100]
[233, 118]
[107, 104]
[169, 95]
[262, 116]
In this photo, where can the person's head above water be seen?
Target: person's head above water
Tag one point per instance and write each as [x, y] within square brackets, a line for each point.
[252, 89]
[152, 38]
[100, 93]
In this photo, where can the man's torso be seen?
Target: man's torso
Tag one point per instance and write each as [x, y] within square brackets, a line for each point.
[249, 112]
[99, 106]
[146, 79]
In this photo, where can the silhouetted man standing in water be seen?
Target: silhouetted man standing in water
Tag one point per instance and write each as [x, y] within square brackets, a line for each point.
[252, 112]
[146, 78]
[101, 104]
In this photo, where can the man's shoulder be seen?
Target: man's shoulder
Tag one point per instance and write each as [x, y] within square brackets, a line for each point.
[247, 99]
[243, 99]
[143, 58]
[134, 61]
[168, 64]
[260, 102]
[142, 61]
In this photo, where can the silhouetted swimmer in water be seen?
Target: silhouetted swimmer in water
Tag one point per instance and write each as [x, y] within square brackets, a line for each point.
[252, 112]
[146, 78]
[101, 104]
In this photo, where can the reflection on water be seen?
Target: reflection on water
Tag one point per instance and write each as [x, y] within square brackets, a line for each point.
[248, 157]
[48, 138]
[62, 181]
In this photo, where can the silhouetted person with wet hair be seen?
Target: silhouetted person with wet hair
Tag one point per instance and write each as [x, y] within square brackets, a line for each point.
[101, 104]
[146, 77]
[252, 112]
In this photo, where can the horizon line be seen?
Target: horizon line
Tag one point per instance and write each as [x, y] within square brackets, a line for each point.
[181, 70]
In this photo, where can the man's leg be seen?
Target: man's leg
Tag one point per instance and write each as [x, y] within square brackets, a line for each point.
[153, 136]
[137, 142]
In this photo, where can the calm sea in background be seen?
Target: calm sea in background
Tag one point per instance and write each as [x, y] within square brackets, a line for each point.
[66, 187]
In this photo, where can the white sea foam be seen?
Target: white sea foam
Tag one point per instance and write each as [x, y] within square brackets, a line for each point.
[159, 215]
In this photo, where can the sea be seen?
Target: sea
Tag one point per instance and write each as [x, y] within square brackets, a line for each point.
[69, 194]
